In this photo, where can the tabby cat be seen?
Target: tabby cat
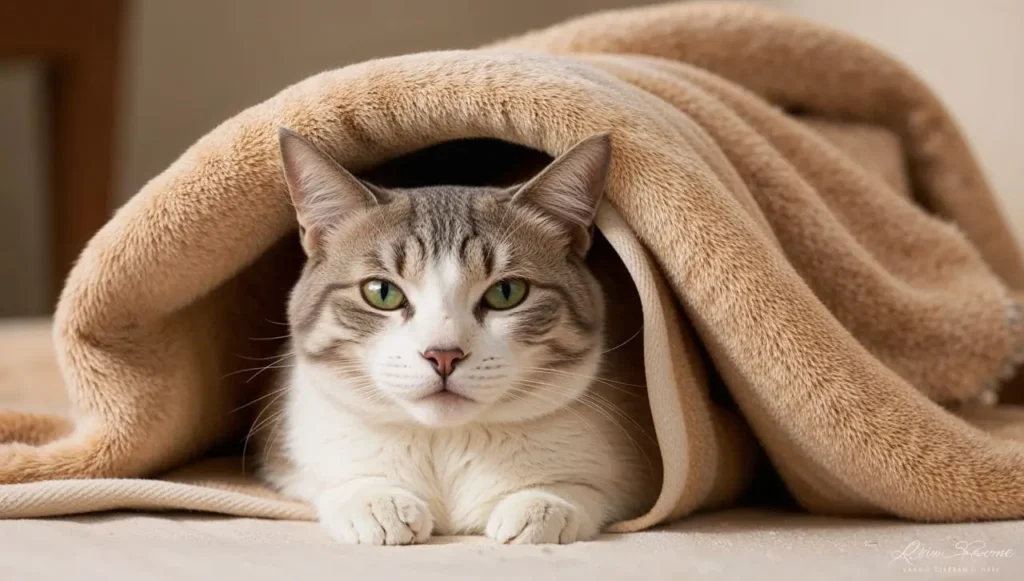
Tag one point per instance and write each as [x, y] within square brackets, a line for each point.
[449, 370]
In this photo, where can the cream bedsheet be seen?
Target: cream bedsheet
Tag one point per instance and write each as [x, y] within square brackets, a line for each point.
[731, 545]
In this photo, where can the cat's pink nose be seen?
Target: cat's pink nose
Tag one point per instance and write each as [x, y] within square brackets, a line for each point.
[444, 359]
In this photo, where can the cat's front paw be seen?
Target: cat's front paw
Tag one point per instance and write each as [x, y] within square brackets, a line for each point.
[386, 516]
[532, 517]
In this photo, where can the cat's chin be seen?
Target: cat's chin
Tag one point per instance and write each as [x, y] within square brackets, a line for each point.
[443, 409]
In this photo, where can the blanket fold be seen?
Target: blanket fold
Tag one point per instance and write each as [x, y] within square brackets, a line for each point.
[802, 220]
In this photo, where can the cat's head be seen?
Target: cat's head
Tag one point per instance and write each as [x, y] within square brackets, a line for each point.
[445, 305]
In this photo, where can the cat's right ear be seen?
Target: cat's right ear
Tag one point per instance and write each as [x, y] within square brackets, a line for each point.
[322, 191]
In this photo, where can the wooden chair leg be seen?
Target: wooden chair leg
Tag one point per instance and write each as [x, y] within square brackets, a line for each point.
[84, 98]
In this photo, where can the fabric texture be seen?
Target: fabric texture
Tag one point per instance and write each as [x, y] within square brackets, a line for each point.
[824, 273]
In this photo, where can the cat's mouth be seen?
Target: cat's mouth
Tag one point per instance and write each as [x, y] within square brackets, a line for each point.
[443, 407]
[445, 395]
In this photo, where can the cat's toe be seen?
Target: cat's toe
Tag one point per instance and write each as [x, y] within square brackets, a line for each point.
[538, 517]
[379, 518]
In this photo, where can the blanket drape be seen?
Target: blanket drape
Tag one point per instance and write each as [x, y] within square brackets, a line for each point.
[802, 219]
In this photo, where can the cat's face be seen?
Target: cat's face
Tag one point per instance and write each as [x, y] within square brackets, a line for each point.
[447, 305]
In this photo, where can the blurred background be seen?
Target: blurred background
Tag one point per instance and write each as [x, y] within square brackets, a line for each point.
[98, 96]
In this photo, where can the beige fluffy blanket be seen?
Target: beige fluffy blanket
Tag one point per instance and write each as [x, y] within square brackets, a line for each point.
[823, 273]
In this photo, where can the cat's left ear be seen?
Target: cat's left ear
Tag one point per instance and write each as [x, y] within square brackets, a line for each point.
[571, 188]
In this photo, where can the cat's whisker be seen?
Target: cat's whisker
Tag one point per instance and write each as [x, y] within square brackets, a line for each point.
[278, 392]
[630, 392]
[263, 370]
[610, 417]
[606, 383]
[365, 385]
[281, 355]
[347, 364]
[399, 375]
[532, 393]
[272, 420]
[258, 425]
[636, 446]
[258, 370]
[596, 399]
[255, 428]
[626, 342]
[595, 377]
[272, 441]
[611, 407]
[371, 393]
[606, 409]
[277, 338]
[366, 388]
[352, 369]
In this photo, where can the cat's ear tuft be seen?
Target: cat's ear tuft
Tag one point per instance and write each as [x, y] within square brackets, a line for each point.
[570, 188]
[322, 191]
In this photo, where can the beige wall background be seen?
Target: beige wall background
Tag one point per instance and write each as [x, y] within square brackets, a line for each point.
[192, 63]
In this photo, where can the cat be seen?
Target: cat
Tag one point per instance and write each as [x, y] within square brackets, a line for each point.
[449, 369]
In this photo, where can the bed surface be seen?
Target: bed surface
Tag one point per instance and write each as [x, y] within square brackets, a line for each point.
[728, 545]
[738, 544]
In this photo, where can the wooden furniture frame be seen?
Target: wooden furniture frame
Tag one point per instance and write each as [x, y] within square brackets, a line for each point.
[78, 41]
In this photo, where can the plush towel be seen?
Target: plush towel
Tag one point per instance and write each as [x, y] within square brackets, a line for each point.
[819, 261]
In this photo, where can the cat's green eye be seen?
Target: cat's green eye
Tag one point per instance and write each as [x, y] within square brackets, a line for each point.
[506, 294]
[383, 295]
